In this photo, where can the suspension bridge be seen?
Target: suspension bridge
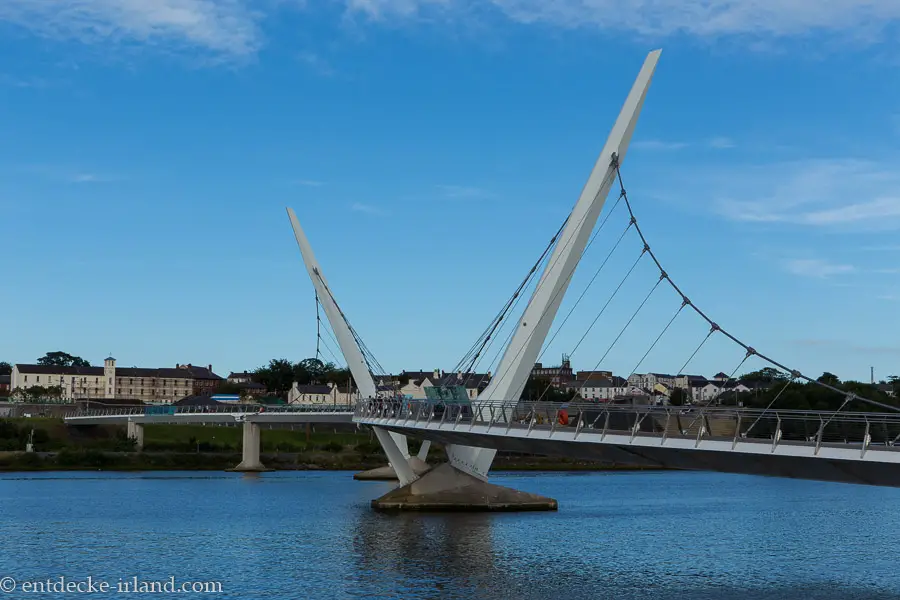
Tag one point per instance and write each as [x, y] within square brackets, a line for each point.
[854, 443]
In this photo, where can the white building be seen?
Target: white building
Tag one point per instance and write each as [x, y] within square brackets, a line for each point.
[702, 394]
[647, 381]
[154, 386]
[687, 382]
[604, 389]
[322, 394]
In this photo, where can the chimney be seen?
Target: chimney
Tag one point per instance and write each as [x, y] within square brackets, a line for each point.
[210, 368]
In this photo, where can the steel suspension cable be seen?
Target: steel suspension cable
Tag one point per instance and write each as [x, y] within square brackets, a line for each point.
[712, 330]
[513, 301]
[571, 272]
[370, 360]
[318, 326]
[656, 341]
[622, 332]
[331, 352]
[749, 349]
[608, 301]
[722, 387]
[766, 409]
[653, 289]
[586, 248]
[588, 287]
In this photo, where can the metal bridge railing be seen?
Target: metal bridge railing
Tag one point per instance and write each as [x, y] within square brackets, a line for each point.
[163, 411]
[776, 427]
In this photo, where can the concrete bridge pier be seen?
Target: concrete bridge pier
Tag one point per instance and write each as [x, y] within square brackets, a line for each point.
[135, 431]
[250, 462]
[387, 473]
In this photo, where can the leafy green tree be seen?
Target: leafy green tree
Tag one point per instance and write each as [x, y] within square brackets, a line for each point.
[280, 374]
[37, 393]
[678, 397]
[539, 388]
[5, 368]
[277, 376]
[315, 368]
[228, 388]
[829, 379]
[338, 376]
[62, 359]
[765, 375]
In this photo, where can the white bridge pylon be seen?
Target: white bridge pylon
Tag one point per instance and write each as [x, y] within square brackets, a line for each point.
[394, 444]
[534, 325]
[518, 358]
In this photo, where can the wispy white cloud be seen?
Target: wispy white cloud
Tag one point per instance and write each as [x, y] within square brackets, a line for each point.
[308, 182]
[85, 178]
[29, 82]
[721, 143]
[366, 208]
[658, 145]
[816, 268]
[836, 193]
[861, 20]
[894, 271]
[234, 28]
[223, 27]
[68, 174]
[317, 64]
[461, 191]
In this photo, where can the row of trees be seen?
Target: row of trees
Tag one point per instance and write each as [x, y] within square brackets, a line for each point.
[812, 396]
[38, 393]
[55, 359]
[279, 375]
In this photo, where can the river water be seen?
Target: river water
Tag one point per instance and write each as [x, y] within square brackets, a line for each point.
[312, 535]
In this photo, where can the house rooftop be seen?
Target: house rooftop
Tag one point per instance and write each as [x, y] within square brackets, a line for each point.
[31, 369]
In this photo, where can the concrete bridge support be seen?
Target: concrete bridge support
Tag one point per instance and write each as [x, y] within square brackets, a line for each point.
[250, 462]
[418, 464]
[135, 431]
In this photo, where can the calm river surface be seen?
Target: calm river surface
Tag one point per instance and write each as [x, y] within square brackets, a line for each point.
[312, 535]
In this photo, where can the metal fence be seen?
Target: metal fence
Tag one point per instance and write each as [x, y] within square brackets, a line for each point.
[213, 409]
[812, 428]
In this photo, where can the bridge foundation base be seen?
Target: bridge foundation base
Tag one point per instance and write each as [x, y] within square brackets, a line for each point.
[135, 431]
[446, 489]
[386, 473]
[250, 462]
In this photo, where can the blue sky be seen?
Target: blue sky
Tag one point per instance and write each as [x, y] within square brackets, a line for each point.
[430, 149]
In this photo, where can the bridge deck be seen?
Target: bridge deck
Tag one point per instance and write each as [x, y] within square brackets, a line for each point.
[846, 447]
[296, 413]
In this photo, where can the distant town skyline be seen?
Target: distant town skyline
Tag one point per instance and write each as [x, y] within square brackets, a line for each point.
[431, 150]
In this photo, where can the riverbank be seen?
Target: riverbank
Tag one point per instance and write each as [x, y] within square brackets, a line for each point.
[215, 448]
